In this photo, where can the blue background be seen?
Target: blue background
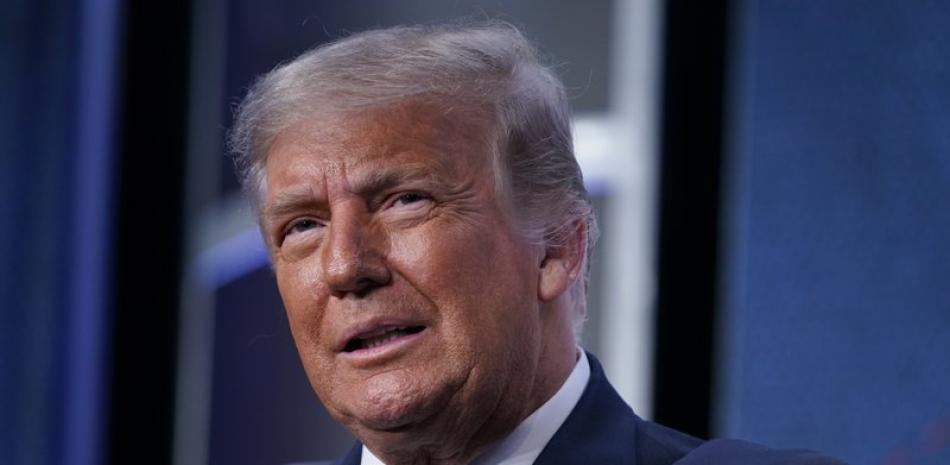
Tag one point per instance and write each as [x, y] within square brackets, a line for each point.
[836, 333]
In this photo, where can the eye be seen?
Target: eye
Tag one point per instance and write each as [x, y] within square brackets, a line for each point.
[299, 226]
[409, 198]
[407, 204]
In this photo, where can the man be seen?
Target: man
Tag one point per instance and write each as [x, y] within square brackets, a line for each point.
[429, 230]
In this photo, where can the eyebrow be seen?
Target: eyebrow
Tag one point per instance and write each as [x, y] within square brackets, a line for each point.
[375, 182]
[382, 180]
[290, 201]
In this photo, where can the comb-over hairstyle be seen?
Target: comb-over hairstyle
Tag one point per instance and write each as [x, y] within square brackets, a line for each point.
[486, 65]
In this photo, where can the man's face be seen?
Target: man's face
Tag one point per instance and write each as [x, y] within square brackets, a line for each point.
[412, 300]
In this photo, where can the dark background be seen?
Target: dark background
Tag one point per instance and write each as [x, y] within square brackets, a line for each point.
[802, 217]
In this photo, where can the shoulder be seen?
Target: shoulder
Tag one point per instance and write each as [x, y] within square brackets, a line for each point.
[736, 451]
[602, 428]
[602, 424]
[657, 444]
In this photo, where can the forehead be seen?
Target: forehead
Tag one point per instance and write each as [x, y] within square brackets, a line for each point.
[449, 139]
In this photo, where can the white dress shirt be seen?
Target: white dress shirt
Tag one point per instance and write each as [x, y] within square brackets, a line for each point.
[523, 445]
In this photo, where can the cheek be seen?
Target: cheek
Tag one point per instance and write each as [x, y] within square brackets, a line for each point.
[480, 279]
[444, 263]
[304, 299]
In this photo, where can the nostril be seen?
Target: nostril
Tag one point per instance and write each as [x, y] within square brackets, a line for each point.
[360, 287]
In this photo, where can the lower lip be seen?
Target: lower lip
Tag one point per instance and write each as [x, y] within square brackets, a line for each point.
[383, 352]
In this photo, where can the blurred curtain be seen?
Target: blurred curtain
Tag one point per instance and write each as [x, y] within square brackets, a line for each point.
[55, 89]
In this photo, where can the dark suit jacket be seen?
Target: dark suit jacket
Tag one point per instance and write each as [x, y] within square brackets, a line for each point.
[603, 430]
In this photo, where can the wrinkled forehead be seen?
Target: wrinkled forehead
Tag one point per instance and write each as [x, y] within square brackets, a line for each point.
[431, 120]
[450, 138]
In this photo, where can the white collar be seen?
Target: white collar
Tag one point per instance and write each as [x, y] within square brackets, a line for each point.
[523, 445]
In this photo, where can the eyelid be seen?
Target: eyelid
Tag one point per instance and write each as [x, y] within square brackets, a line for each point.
[393, 199]
[288, 229]
[395, 202]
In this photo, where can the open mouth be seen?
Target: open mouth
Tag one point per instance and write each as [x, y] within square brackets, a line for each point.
[380, 336]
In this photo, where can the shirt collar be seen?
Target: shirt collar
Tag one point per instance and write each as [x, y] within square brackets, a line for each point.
[523, 445]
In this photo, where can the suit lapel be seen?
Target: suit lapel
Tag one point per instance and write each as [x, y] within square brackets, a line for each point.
[352, 457]
[601, 429]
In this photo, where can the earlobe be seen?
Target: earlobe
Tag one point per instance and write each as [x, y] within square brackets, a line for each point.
[561, 265]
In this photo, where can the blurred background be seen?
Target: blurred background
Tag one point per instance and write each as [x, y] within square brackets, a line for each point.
[772, 180]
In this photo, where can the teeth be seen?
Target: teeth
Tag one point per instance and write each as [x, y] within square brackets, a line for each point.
[386, 336]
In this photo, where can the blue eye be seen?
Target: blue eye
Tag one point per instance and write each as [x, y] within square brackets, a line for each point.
[301, 226]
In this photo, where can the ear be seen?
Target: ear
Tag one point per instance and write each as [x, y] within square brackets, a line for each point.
[561, 265]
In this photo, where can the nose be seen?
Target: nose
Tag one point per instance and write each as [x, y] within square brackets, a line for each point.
[353, 260]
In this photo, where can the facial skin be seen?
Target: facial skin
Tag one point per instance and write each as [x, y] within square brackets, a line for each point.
[387, 223]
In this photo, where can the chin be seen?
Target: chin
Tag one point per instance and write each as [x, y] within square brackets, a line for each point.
[396, 401]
